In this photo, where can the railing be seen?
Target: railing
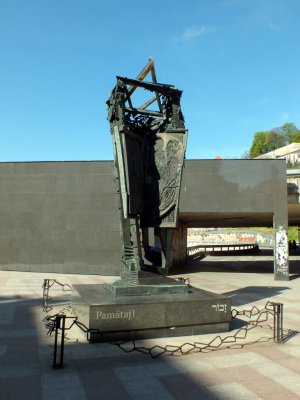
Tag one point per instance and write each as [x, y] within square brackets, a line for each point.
[220, 247]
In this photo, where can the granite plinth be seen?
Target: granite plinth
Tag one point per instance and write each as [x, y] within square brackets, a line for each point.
[192, 313]
[148, 284]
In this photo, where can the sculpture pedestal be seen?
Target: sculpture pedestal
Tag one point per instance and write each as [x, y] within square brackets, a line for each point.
[148, 284]
[162, 314]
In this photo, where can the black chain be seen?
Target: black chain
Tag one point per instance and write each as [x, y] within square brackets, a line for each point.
[48, 283]
[218, 343]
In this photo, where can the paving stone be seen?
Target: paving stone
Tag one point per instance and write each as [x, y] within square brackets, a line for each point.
[259, 370]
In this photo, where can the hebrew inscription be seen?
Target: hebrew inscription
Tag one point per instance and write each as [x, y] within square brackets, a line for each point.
[220, 307]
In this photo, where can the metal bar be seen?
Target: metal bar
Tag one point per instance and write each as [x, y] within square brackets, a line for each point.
[148, 68]
[56, 324]
[121, 172]
[277, 322]
[145, 70]
[145, 112]
[281, 322]
[62, 346]
[145, 105]
[161, 88]
[128, 98]
[274, 323]
[45, 292]
[153, 74]
[142, 75]
[60, 324]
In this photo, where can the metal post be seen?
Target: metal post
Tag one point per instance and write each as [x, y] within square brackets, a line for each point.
[56, 327]
[59, 323]
[277, 322]
[45, 293]
[281, 322]
[62, 346]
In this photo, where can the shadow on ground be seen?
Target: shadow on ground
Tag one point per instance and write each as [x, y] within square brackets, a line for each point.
[260, 262]
[89, 373]
[249, 294]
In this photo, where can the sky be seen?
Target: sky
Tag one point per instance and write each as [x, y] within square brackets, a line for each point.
[236, 61]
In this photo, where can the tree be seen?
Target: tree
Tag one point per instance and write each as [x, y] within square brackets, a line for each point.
[291, 133]
[259, 144]
[266, 141]
[274, 140]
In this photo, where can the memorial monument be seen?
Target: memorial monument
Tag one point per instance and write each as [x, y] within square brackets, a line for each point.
[149, 148]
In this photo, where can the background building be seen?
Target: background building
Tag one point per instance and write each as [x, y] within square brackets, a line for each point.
[291, 153]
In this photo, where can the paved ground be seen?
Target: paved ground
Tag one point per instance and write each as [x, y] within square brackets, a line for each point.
[262, 370]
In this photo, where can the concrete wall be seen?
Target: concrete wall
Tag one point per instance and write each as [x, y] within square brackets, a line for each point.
[59, 217]
[293, 183]
[245, 186]
[63, 216]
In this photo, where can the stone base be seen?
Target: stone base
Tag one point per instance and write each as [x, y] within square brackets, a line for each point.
[141, 317]
[149, 284]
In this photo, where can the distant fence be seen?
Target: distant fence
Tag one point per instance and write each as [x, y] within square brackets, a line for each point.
[205, 248]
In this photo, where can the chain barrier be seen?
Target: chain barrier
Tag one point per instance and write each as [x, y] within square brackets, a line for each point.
[48, 283]
[57, 323]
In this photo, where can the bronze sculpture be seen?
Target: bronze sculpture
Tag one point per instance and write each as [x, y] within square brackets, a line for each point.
[149, 148]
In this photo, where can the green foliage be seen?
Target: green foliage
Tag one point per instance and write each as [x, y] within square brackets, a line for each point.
[291, 133]
[275, 140]
[258, 144]
[266, 141]
[263, 142]
[293, 233]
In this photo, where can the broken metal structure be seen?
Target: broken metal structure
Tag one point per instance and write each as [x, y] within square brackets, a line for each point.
[149, 149]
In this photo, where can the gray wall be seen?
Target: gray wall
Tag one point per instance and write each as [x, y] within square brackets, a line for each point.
[59, 217]
[63, 216]
[223, 190]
